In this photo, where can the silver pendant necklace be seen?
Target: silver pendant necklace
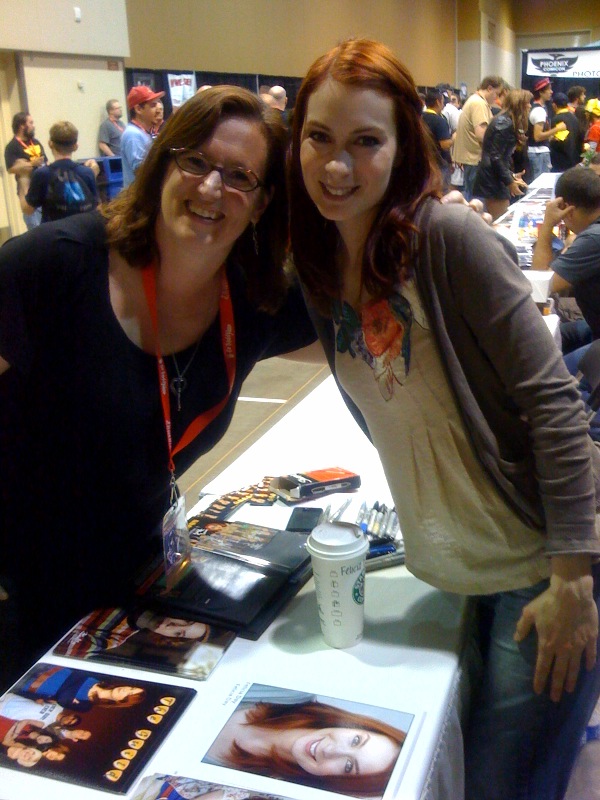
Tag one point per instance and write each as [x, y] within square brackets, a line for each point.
[179, 383]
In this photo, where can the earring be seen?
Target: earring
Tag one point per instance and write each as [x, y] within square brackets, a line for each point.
[255, 237]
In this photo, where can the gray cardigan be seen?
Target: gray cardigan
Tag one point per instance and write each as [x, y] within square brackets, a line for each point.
[521, 408]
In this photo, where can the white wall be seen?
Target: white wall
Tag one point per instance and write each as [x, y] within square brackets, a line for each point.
[468, 60]
[62, 87]
[46, 26]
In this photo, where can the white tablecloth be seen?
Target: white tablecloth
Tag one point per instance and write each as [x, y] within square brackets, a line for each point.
[409, 659]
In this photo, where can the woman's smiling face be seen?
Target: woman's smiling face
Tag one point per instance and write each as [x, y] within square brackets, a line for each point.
[343, 751]
[203, 210]
[348, 151]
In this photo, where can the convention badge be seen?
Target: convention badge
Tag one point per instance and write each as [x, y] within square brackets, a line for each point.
[176, 541]
[167, 701]
[144, 734]
[113, 775]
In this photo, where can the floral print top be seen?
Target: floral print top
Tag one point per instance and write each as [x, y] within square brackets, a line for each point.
[380, 335]
[459, 534]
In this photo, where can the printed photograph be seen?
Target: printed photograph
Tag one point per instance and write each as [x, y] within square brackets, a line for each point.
[147, 640]
[174, 787]
[339, 746]
[96, 730]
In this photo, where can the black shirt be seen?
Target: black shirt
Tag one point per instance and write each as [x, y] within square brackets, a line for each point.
[440, 131]
[83, 453]
[16, 149]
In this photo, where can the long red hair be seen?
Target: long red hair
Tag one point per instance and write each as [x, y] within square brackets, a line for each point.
[313, 715]
[364, 64]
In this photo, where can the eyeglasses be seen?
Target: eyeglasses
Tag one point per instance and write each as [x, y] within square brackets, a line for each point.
[194, 163]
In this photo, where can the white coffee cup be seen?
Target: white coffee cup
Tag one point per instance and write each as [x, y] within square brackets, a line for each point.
[338, 551]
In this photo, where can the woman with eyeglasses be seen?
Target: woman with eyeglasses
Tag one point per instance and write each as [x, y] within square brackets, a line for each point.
[124, 340]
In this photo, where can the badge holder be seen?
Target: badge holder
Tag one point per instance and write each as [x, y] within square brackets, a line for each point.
[176, 538]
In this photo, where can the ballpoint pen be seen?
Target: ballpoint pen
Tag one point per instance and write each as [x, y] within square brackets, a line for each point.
[371, 520]
[361, 519]
[325, 515]
[336, 516]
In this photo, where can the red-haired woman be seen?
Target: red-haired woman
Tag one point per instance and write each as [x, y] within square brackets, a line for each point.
[495, 181]
[432, 334]
[299, 739]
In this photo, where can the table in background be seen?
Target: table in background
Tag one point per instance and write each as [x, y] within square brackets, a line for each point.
[409, 659]
[540, 191]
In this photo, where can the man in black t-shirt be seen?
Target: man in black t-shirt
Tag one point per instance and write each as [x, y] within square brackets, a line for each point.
[565, 147]
[23, 154]
[438, 126]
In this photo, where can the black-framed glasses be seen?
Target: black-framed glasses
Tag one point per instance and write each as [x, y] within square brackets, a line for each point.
[195, 163]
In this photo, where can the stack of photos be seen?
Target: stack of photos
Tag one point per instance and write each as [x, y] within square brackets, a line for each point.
[96, 730]
[147, 640]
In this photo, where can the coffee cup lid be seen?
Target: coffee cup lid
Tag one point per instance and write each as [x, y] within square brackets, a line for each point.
[335, 539]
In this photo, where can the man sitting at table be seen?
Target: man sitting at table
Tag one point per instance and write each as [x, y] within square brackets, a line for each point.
[577, 204]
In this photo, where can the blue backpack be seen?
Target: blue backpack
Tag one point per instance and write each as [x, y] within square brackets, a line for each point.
[67, 194]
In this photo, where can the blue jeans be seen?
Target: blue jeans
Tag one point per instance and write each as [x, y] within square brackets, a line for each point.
[469, 171]
[519, 745]
[33, 220]
[539, 163]
[572, 360]
[574, 335]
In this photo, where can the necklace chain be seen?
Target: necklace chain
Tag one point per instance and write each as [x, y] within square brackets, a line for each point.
[179, 384]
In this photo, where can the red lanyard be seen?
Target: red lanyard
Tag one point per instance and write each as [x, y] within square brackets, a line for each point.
[229, 354]
[141, 127]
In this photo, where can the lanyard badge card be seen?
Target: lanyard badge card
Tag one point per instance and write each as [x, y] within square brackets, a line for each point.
[176, 540]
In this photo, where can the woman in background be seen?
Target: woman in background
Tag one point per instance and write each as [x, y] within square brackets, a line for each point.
[496, 181]
[430, 329]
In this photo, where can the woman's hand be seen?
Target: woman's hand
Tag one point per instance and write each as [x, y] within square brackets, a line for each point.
[566, 620]
[515, 188]
[518, 184]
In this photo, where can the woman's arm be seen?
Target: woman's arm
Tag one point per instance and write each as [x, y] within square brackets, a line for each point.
[514, 337]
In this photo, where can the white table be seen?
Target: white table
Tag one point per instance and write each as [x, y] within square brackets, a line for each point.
[409, 659]
[547, 180]
[540, 283]
[539, 279]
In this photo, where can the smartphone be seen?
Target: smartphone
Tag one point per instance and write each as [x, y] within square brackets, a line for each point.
[303, 520]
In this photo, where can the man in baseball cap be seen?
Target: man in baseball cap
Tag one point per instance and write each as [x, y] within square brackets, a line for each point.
[540, 132]
[144, 108]
[538, 86]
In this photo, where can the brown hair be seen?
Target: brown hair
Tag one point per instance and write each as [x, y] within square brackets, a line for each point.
[63, 136]
[514, 105]
[312, 715]
[130, 700]
[132, 214]
[495, 81]
[364, 64]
